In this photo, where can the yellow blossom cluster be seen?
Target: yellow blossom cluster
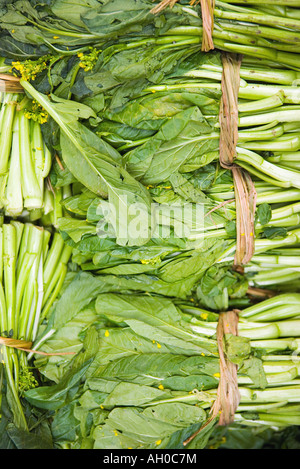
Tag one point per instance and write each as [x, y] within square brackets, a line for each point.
[88, 61]
[36, 112]
[29, 69]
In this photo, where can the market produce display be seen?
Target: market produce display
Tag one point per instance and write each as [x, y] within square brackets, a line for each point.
[150, 234]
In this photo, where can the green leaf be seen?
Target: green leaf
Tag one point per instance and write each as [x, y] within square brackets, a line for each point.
[161, 314]
[136, 395]
[157, 366]
[237, 348]
[264, 213]
[53, 397]
[272, 232]
[253, 367]
[178, 140]
[97, 166]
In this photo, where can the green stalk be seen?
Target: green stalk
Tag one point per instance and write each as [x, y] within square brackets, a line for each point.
[255, 73]
[58, 281]
[37, 151]
[29, 301]
[277, 259]
[290, 165]
[57, 209]
[290, 114]
[61, 32]
[267, 244]
[288, 142]
[14, 196]
[263, 245]
[279, 420]
[23, 246]
[277, 313]
[6, 133]
[276, 394]
[288, 59]
[288, 156]
[35, 313]
[274, 277]
[48, 201]
[33, 197]
[22, 279]
[282, 378]
[295, 3]
[250, 91]
[46, 237]
[279, 300]
[14, 400]
[3, 311]
[52, 259]
[284, 196]
[276, 345]
[47, 161]
[263, 104]
[288, 177]
[5, 98]
[254, 137]
[59, 271]
[290, 37]
[253, 40]
[9, 264]
[257, 17]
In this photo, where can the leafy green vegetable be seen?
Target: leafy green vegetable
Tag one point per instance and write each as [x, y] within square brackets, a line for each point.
[141, 390]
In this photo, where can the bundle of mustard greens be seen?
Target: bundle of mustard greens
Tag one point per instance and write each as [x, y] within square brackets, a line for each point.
[152, 372]
[33, 269]
[150, 184]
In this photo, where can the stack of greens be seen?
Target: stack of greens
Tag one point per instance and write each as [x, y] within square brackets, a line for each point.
[36, 28]
[33, 269]
[151, 368]
[166, 136]
[114, 142]
[25, 159]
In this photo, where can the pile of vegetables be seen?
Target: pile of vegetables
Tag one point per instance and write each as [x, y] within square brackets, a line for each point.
[127, 243]
[25, 160]
[152, 368]
[33, 269]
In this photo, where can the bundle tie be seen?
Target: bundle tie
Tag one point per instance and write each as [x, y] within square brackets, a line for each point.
[26, 345]
[245, 193]
[10, 84]
[228, 395]
[207, 14]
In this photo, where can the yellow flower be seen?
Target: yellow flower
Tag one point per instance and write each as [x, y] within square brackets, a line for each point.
[161, 387]
[106, 333]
